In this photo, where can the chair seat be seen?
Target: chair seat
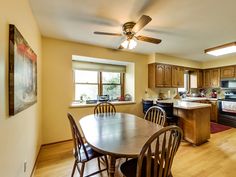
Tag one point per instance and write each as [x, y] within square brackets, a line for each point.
[129, 168]
[172, 118]
[91, 154]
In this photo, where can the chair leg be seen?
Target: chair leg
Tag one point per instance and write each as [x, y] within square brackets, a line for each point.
[82, 170]
[107, 166]
[99, 165]
[73, 170]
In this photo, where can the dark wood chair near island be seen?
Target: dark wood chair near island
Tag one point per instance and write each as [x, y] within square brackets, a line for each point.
[156, 156]
[156, 115]
[169, 109]
[82, 151]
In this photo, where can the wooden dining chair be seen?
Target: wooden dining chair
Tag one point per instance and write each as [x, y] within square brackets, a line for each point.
[156, 115]
[82, 151]
[156, 156]
[104, 107]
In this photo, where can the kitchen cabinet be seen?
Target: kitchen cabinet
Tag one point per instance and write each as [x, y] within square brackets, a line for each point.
[159, 75]
[214, 108]
[178, 76]
[227, 72]
[211, 77]
[214, 111]
[196, 79]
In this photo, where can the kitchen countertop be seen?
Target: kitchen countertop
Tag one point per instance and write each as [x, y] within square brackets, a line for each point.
[185, 105]
[198, 99]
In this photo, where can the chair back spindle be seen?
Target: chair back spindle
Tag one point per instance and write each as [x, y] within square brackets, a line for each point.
[159, 151]
[77, 139]
[156, 114]
[105, 107]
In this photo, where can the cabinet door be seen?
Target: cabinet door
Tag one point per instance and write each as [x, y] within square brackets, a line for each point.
[167, 79]
[160, 75]
[175, 76]
[207, 78]
[181, 77]
[199, 78]
[215, 77]
[214, 111]
[151, 75]
[227, 72]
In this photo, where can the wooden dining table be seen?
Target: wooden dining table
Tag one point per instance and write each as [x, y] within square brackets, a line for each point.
[118, 135]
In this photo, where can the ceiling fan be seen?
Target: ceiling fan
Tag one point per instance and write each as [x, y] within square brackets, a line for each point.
[130, 29]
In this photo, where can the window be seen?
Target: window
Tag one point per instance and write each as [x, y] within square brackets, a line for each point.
[86, 85]
[186, 83]
[90, 84]
[111, 84]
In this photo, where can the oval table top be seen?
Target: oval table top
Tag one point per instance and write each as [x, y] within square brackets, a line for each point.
[119, 134]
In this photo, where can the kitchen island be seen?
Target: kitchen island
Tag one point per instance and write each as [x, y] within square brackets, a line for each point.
[194, 120]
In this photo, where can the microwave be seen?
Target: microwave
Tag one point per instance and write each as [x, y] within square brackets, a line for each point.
[228, 83]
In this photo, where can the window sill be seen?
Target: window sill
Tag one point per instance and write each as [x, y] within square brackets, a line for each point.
[84, 105]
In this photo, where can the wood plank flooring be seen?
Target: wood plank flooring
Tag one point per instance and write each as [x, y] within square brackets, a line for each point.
[216, 158]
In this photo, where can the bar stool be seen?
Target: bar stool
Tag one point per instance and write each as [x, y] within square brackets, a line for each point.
[169, 109]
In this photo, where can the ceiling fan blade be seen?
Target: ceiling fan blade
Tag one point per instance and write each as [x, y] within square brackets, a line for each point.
[148, 39]
[143, 21]
[105, 33]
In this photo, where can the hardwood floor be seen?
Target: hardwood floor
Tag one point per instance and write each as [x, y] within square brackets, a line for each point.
[216, 158]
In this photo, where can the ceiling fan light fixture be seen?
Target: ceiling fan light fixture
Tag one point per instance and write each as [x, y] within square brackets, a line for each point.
[132, 44]
[222, 50]
[129, 44]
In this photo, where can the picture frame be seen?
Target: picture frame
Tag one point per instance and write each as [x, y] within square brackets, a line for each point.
[22, 73]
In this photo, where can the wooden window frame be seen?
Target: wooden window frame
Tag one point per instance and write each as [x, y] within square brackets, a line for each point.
[100, 84]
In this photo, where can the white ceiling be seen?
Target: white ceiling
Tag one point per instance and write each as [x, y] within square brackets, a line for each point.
[186, 27]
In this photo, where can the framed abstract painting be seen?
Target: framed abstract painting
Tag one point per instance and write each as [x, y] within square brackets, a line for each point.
[22, 73]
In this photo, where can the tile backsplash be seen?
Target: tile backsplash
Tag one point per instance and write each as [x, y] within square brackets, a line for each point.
[171, 92]
[166, 92]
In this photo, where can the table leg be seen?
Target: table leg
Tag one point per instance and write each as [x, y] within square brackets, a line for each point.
[112, 166]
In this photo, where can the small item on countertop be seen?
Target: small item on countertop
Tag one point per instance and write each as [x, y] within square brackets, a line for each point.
[177, 96]
[213, 93]
[161, 96]
[202, 92]
[128, 97]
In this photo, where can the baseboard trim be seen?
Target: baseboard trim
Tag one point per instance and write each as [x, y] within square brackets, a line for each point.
[56, 142]
[35, 163]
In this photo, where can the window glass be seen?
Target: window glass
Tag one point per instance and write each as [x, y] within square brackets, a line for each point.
[110, 78]
[114, 91]
[85, 92]
[86, 76]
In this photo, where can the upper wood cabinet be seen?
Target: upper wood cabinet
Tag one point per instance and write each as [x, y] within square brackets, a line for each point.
[211, 77]
[196, 78]
[178, 76]
[159, 75]
[227, 72]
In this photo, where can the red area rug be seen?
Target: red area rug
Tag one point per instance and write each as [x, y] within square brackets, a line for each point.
[215, 128]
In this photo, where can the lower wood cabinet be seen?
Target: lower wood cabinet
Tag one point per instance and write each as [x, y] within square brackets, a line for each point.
[214, 109]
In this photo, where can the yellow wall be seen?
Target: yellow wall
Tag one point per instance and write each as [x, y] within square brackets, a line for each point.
[19, 134]
[58, 84]
[219, 62]
[160, 58]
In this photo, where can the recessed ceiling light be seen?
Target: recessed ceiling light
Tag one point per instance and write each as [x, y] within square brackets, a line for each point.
[222, 50]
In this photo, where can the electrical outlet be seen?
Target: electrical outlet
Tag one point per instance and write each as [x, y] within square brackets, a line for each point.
[25, 166]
